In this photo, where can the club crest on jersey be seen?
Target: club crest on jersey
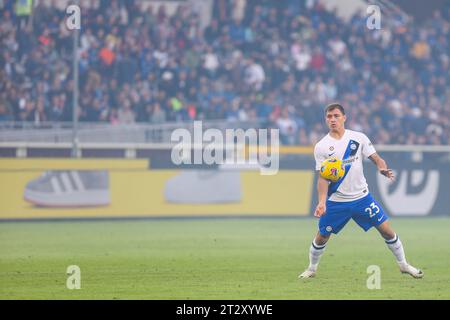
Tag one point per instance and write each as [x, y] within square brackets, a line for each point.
[334, 171]
[331, 148]
[329, 228]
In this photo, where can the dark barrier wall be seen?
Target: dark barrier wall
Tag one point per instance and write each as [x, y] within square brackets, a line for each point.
[420, 189]
[420, 9]
[55, 188]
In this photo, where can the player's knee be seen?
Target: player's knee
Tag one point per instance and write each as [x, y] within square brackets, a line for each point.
[321, 239]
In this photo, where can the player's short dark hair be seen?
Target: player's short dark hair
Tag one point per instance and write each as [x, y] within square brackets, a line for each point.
[333, 106]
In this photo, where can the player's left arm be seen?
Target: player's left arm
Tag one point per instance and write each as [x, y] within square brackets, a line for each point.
[382, 166]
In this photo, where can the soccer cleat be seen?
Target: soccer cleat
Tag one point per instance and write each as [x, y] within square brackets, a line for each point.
[308, 273]
[414, 272]
[69, 188]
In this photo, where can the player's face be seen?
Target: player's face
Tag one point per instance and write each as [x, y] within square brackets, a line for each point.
[335, 120]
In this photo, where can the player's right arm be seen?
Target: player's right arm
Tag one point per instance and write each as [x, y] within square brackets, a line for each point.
[322, 191]
[322, 184]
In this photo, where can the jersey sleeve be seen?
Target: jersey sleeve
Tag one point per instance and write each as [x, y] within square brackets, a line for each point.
[367, 147]
[319, 156]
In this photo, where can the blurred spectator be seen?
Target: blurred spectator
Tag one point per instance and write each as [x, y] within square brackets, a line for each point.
[158, 115]
[288, 127]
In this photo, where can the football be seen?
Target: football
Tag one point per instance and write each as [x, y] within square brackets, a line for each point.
[332, 169]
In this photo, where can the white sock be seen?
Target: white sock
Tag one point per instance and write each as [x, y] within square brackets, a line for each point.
[315, 252]
[396, 246]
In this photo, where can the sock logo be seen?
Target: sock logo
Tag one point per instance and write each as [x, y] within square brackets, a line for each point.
[74, 277]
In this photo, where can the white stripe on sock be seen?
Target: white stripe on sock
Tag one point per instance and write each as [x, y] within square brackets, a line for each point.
[394, 239]
[55, 185]
[319, 246]
[314, 256]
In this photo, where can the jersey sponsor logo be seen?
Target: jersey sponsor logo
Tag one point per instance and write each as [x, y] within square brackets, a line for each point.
[354, 145]
[401, 198]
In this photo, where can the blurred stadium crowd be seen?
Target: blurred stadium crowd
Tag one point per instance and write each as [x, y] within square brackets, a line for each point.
[280, 61]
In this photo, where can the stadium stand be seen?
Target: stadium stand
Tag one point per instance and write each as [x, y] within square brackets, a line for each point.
[279, 61]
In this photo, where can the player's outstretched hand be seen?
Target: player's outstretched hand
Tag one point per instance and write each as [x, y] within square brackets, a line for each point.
[388, 173]
[320, 210]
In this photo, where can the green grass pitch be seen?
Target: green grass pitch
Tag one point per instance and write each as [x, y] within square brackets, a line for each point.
[216, 259]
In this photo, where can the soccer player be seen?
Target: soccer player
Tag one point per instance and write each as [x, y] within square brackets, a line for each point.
[349, 198]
